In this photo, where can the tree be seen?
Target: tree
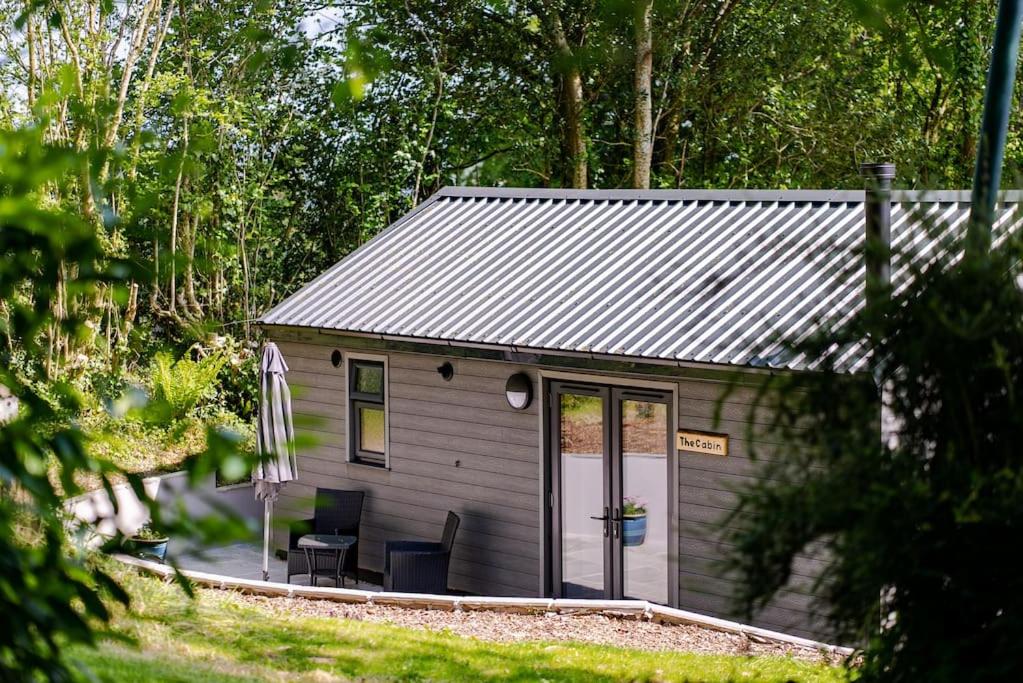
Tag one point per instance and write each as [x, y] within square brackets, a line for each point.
[642, 135]
[566, 64]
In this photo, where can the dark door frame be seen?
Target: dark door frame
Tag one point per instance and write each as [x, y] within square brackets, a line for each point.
[613, 394]
[554, 511]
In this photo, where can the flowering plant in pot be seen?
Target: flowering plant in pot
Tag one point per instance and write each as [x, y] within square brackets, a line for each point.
[147, 543]
[634, 521]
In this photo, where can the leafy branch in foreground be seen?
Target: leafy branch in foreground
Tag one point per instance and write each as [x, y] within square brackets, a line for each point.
[51, 594]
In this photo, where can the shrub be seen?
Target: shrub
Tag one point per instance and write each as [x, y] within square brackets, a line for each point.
[184, 384]
[239, 377]
[108, 385]
[930, 516]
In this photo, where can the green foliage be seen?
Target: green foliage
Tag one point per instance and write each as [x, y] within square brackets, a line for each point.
[750, 94]
[148, 443]
[185, 384]
[148, 532]
[239, 377]
[50, 594]
[108, 385]
[42, 582]
[926, 517]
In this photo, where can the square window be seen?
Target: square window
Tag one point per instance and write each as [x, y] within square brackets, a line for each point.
[369, 379]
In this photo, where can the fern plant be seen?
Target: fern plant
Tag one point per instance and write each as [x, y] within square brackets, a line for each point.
[184, 384]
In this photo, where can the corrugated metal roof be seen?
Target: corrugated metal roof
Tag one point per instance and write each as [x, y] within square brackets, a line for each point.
[717, 277]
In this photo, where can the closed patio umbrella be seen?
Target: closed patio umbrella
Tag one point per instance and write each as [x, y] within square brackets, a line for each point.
[275, 439]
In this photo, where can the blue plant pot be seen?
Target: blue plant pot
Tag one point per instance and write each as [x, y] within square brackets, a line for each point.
[147, 550]
[634, 531]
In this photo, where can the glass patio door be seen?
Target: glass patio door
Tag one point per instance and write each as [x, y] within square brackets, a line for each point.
[609, 463]
[582, 460]
[640, 480]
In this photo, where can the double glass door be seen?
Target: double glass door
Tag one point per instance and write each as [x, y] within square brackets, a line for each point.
[609, 458]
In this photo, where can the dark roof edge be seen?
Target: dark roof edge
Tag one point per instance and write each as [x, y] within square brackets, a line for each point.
[1011, 196]
[518, 349]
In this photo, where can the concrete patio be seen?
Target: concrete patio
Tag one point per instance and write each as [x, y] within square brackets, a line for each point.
[245, 561]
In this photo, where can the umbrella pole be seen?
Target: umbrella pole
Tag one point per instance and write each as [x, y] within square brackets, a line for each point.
[266, 540]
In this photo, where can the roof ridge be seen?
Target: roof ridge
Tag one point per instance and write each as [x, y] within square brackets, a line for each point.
[742, 195]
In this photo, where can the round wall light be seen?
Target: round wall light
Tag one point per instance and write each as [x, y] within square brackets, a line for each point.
[335, 358]
[447, 371]
[519, 391]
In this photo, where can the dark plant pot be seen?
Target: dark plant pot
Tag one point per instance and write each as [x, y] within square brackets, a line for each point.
[634, 530]
[146, 549]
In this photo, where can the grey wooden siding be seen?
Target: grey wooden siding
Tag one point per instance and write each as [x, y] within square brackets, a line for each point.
[457, 445]
[706, 495]
[454, 445]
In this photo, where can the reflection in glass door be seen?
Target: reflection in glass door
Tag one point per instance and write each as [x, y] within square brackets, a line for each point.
[584, 519]
[610, 507]
[644, 463]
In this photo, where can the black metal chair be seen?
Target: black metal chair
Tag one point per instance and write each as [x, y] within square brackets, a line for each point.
[336, 512]
[420, 566]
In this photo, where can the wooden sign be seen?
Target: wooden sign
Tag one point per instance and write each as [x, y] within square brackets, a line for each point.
[703, 442]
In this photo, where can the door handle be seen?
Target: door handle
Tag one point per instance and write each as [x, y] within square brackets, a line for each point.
[616, 520]
[606, 520]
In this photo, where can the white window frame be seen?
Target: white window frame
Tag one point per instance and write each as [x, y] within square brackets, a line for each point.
[348, 359]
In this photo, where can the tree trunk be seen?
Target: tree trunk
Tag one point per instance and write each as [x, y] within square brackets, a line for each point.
[244, 253]
[127, 324]
[140, 97]
[572, 90]
[128, 70]
[642, 137]
[60, 309]
[669, 140]
[173, 297]
[439, 90]
[155, 293]
[186, 58]
[438, 80]
[87, 203]
[190, 236]
[30, 40]
[575, 129]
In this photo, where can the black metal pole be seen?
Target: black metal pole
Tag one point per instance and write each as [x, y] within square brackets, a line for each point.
[877, 207]
[994, 125]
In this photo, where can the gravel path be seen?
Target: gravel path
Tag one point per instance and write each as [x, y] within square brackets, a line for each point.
[588, 628]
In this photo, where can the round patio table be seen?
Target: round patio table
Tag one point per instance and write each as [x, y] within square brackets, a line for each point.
[331, 544]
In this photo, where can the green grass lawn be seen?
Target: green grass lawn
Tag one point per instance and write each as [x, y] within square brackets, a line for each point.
[219, 637]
